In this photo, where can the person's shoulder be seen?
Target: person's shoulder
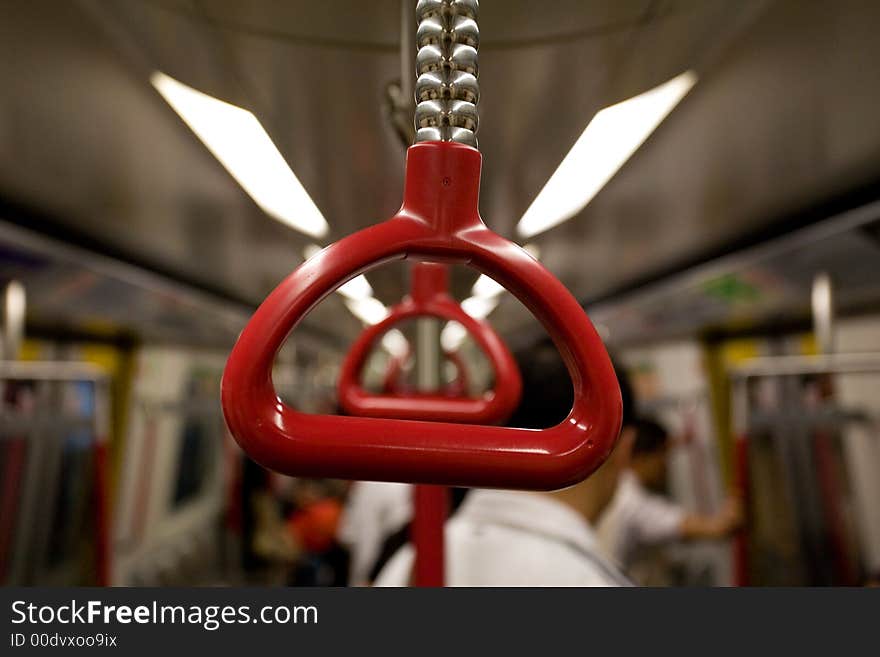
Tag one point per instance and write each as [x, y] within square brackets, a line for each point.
[492, 555]
[489, 554]
[398, 570]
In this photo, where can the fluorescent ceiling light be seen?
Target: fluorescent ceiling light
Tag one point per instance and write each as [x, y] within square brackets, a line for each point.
[614, 134]
[236, 138]
[14, 306]
[479, 307]
[311, 250]
[452, 336]
[357, 288]
[369, 309]
[486, 287]
[395, 343]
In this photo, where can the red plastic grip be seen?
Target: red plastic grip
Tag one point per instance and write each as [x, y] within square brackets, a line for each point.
[439, 221]
[391, 383]
[429, 298]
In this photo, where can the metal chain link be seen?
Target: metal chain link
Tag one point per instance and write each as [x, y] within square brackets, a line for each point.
[447, 91]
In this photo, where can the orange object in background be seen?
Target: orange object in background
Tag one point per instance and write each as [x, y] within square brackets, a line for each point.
[315, 525]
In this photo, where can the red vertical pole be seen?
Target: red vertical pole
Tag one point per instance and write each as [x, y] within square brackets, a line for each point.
[101, 479]
[741, 540]
[10, 491]
[431, 506]
[829, 485]
[102, 514]
[429, 502]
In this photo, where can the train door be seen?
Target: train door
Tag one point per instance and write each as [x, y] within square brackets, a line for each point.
[808, 430]
[671, 385]
[172, 481]
[54, 431]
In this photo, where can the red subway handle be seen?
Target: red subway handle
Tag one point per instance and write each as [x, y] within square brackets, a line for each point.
[438, 221]
[391, 382]
[458, 387]
[430, 299]
[393, 385]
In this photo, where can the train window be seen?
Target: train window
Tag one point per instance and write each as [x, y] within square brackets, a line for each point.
[805, 445]
[198, 438]
[195, 460]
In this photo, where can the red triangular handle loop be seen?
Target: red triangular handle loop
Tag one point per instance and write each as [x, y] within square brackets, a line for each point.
[392, 385]
[429, 298]
[438, 221]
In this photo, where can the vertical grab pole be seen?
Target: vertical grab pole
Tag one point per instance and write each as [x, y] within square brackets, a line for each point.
[741, 562]
[431, 507]
[101, 481]
[430, 503]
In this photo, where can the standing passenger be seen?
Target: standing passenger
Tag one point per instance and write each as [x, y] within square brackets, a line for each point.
[638, 520]
[513, 538]
[374, 510]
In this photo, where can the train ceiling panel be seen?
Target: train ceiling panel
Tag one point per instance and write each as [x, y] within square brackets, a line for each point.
[73, 291]
[755, 287]
[780, 122]
[782, 116]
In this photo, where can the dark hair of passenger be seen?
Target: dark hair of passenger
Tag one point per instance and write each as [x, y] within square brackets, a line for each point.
[547, 395]
[650, 436]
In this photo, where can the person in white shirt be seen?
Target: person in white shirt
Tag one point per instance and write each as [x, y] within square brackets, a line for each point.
[374, 510]
[638, 519]
[507, 538]
[515, 538]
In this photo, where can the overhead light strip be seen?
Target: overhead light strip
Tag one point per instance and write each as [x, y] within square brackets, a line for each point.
[479, 307]
[395, 343]
[610, 139]
[369, 309]
[241, 144]
[486, 287]
[452, 336]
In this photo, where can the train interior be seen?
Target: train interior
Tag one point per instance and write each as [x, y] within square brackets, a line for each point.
[729, 261]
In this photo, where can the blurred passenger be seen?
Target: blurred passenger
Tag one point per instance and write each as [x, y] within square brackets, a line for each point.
[507, 538]
[376, 524]
[398, 539]
[269, 550]
[639, 518]
[374, 510]
[314, 525]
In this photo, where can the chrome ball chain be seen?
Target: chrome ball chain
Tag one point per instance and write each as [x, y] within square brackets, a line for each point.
[446, 91]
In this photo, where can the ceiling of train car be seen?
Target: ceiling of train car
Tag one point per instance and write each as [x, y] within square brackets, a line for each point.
[770, 284]
[772, 123]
